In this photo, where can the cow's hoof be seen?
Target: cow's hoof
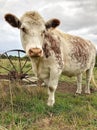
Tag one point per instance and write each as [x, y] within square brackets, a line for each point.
[87, 92]
[78, 93]
[50, 103]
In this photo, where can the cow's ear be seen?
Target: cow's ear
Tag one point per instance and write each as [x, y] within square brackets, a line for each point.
[12, 20]
[53, 23]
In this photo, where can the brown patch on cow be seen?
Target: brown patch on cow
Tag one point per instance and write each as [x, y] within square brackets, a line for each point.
[46, 49]
[52, 43]
[55, 45]
[80, 50]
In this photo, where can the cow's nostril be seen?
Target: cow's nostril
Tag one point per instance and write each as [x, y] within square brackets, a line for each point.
[30, 51]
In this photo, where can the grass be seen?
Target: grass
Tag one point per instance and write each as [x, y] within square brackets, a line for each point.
[24, 108]
[6, 63]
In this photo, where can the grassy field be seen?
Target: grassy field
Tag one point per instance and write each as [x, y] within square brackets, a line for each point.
[24, 108]
[6, 63]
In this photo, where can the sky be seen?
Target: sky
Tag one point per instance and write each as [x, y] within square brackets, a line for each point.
[78, 17]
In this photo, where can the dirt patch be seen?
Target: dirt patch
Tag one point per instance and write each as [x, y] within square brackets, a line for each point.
[66, 87]
[63, 86]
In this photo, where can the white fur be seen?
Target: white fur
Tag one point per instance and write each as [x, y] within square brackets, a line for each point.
[76, 55]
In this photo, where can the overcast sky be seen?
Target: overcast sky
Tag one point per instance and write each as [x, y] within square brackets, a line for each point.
[78, 17]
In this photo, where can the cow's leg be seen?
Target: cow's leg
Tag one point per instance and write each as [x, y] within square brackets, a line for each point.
[51, 94]
[88, 79]
[79, 84]
[52, 85]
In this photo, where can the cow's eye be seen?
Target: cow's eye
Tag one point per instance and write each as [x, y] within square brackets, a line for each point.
[23, 29]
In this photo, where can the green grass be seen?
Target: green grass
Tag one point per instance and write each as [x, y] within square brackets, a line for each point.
[6, 63]
[24, 108]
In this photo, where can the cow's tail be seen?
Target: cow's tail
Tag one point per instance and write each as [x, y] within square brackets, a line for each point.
[93, 81]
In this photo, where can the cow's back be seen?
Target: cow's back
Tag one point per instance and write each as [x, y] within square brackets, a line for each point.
[78, 54]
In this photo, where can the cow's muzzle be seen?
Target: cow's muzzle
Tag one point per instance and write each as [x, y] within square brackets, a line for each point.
[35, 52]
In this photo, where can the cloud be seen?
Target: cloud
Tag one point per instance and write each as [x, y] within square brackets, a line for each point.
[72, 14]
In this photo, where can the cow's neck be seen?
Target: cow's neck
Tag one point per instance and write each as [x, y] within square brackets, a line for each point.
[36, 64]
[52, 45]
[36, 60]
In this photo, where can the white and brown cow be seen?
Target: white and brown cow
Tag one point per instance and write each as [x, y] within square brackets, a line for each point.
[52, 51]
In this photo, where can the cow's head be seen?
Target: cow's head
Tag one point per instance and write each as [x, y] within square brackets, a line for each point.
[32, 30]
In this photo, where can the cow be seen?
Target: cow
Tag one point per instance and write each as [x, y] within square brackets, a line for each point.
[53, 52]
